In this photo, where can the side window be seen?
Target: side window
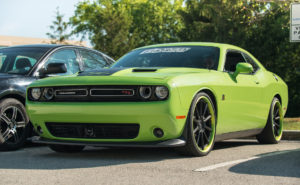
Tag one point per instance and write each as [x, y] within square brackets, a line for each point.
[232, 59]
[110, 60]
[92, 60]
[251, 61]
[66, 56]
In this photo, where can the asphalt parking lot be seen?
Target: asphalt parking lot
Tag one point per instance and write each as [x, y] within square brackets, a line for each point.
[231, 162]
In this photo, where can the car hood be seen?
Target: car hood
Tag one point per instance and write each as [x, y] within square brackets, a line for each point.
[114, 76]
[10, 82]
[8, 76]
[142, 72]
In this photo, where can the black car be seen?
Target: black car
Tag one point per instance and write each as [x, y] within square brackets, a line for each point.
[21, 65]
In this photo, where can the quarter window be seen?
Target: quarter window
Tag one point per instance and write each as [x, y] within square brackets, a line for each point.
[251, 61]
[2, 59]
[92, 60]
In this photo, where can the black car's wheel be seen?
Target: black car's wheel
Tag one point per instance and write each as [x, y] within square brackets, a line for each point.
[66, 148]
[14, 129]
[272, 132]
[201, 127]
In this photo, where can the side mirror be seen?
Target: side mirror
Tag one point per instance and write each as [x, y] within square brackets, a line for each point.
[53, 68]
[242, 68]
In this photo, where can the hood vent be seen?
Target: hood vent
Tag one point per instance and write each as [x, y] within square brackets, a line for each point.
[144, 70]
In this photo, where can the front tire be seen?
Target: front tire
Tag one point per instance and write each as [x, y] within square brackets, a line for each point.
[14, 127]
[66, 148]
[200, 127]
[272, 132]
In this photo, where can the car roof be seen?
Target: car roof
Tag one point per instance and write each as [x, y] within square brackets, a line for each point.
[37, 46]
[53, 46]
[193, 44]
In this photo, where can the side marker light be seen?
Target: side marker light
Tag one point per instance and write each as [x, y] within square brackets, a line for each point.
[180, 117]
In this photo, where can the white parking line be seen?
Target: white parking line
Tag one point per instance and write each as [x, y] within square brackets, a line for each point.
[228, 163]
[215, 166]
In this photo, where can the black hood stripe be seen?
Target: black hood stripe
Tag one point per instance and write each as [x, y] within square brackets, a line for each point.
[100, 72]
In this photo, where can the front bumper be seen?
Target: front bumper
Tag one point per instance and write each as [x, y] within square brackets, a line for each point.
[158, 144]
[149, 115]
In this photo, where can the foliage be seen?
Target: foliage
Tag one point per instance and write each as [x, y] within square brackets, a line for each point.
[59, 29]
[261, 27]
[117, 26]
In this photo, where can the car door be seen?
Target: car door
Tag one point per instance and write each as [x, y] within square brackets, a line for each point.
[68, 56]
[241, 107]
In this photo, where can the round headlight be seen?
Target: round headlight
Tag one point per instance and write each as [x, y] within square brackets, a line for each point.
[36, 93]
[145, 92]
[48, 93]
[161, 92]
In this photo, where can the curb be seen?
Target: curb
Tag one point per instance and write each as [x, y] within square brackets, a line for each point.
[291, 135]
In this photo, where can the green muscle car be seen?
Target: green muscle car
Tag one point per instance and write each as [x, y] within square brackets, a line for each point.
[183, 95]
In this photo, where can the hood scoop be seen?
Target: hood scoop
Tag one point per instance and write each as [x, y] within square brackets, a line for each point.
[100, 72]
[144, 70]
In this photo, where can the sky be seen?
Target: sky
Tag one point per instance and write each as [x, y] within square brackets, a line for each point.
[32, 18]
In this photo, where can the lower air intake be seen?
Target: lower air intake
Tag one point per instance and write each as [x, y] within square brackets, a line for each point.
[93, 131]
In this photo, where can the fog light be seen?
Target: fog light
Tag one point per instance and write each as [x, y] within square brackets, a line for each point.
[158, 132]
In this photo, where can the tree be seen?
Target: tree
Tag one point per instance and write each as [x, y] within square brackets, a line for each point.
[117, 26]
[268, 40]
[59, 29]
[107, 25]
[218, 20]
[259, 27]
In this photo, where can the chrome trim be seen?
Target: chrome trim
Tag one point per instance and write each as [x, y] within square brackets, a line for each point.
[68, 95]
[91, 94]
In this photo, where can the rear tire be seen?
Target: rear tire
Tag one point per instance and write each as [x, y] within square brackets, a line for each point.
[272, 132]
[14, 125]
[66, 148]
[200, 127]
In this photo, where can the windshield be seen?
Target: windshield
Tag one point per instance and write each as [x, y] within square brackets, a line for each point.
[19, 60]
[205, 57]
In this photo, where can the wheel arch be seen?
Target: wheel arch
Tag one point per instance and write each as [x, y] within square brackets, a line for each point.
[212, 97]
[22, 99]
[278, 97]
[15, 96]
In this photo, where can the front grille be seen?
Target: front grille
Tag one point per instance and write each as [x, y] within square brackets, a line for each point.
[94, 130]
[95, 94]
[112, 92]
[71, 92]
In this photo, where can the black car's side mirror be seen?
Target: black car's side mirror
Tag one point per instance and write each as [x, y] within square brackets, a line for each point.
[53, 68]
